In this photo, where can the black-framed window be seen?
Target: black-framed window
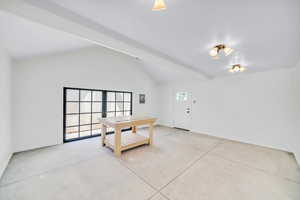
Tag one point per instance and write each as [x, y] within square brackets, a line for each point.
[84, 107]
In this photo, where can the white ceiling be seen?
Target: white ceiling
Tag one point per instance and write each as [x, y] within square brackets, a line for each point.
[264, 33]
[173, 44]
[23, 38]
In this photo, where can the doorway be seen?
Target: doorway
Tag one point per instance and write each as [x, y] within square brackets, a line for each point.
[84, 107]
[182, 110]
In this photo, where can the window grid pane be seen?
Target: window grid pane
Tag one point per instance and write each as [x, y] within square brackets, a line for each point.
[110, 114]
[72, 95]
[111, 96]
[72, 133]
[85, 95]
[72, 120]
[127, 97]
[111, 106]
[119, 106]
[96, 117]
[96, 107]
[85, 119]
[83, 108]
[72, 107]
[119, 114]
[127, 106]
[97, 96]
[119, 96]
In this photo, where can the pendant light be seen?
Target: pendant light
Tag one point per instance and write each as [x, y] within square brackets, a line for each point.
[159, 5]
[236, 68]
[214, 52]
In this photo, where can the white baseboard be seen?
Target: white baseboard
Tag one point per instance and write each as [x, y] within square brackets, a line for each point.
[297, 156]
[4, 164]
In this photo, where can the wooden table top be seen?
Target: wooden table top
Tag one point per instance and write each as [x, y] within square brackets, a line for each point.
[126, 121]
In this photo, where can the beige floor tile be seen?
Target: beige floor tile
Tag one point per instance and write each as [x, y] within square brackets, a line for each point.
[214, 178]
[85, 170]
[160, 163]
[158, 197]
[159, 131]
[274, 161]
[100, 178]
[26, 164]
[30, 163]
[194, 140]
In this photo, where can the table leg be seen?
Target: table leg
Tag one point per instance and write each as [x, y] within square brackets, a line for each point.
[151, 130]
[103, 134]
[117, 149]
[134, 129]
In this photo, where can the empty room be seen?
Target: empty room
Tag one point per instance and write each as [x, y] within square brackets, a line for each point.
[149, 100]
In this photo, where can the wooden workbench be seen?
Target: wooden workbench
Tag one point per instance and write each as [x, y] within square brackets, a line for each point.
[119, 142]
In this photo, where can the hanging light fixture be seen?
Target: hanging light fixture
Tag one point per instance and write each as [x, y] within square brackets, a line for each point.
[159, 5]
[237, 68]
[214, 52]
[228, 51]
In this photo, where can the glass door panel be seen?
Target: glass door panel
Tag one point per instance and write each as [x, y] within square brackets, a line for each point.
[83, 109]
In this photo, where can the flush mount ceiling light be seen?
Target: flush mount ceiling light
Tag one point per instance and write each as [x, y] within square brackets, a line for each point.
[237, 68]
[214, 52]
[159, 5]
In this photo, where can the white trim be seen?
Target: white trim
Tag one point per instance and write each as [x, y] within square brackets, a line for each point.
[4, 165]
[297, 156]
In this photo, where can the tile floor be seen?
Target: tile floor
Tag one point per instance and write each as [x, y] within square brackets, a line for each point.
[179, 166]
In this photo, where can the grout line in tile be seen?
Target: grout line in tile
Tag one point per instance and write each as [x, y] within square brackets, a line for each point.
[133, 172]
[47, 171]
[162, 194]
[190, 166]
[158, 191]
[153, 195]
[255, 168]
[142, 179]
[51, 170]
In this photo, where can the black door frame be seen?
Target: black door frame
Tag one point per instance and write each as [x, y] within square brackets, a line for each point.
[104, 110]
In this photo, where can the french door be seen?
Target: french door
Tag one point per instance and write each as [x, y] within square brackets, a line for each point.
[84, 107]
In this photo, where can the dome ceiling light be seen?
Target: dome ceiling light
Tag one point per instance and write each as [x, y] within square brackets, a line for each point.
[159, 5]
[214, 52]
[236, 68]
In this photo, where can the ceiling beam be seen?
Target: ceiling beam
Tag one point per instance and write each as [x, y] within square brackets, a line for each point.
[56, 17]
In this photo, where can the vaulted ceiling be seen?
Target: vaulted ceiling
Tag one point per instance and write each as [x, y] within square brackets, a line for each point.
[264, 33]
[23, 38]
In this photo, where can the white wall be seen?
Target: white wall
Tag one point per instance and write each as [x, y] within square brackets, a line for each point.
[260, 108]
[5, 110]
[296, 88]
[38, 90]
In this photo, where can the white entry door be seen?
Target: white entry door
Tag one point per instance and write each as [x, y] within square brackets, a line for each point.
[182, 109]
